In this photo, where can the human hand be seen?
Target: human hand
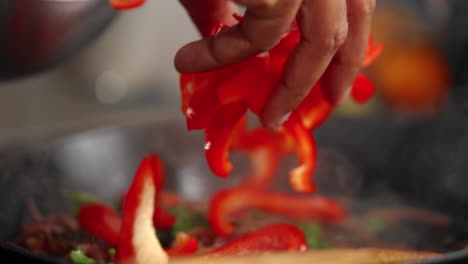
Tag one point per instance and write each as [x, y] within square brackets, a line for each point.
[334, 35]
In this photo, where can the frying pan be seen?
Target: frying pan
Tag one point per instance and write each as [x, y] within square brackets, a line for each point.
[100, 157]
[38, 35]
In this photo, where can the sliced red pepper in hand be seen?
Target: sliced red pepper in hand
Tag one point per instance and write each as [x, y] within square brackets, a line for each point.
[126, 4]
[203, 104]
[276, 237]
[266, 81]
[102, 221]
[241, 85]
[235, 84]
[184, 245]
[363, 89]
[269, 78]
[138, 243]
[229, 202]
[300, 178]
[218, 136]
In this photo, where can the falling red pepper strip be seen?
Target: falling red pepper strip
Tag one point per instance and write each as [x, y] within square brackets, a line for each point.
[262, 147]
[315, 109]
[373, 51]
[126, 4]
[183, 245]
[299, 207]
[218, 136]
[300, 178]
[363, 89]
[101, 221]
[138, 240]
[276, 237]
[229, 202]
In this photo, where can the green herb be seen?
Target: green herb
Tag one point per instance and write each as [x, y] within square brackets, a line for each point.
[112, 252]
[313, 234]
[186, 220]
[78, 199]
[376, 224]
[78, 257]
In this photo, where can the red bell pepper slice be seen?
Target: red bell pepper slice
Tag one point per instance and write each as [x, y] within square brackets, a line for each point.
[299, 207]
[102, 221]
[315, 109]
[300, 178]
[264, 152]
[265, 164]
[203, 104]
[138, 242]
[229, 202]
[363, 89]
[266, 81]
[218, 137]
[269, 78]
[276, 237]
[163, 219]
[187, 88]
[126, 4]
[373, 51]
[241, 85]
[183, 245]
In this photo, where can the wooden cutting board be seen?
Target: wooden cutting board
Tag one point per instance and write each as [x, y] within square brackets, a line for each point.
[328, 256]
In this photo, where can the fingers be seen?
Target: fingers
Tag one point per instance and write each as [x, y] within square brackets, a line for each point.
[205, 12]
[340, 75]
[324, 28]
[265, 21]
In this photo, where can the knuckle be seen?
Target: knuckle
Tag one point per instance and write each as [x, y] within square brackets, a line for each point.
[334, 39]
[365, 8]
[259, 43]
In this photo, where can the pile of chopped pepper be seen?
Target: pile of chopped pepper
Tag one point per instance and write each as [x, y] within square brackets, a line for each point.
[134, 236]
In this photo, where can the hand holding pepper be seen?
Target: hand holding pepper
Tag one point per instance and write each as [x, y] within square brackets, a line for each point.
[334, 36]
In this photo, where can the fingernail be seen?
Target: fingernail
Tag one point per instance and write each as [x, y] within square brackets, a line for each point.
[276, 126]
[284, 118]
[345, 95]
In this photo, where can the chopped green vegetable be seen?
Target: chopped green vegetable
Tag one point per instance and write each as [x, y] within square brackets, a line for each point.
[78, 199]
[112, 252]
[376, 224]
[187, 220]
[313, 233]
[78, 257]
